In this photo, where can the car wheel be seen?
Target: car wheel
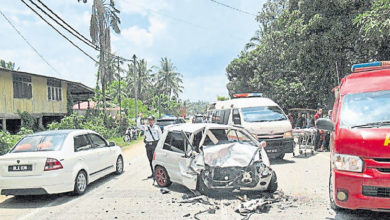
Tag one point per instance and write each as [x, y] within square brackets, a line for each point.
[119, 165]
[281, 156]
[201, 186]
[81, 183]
[273, 184]
[331, 194]
[161, 176]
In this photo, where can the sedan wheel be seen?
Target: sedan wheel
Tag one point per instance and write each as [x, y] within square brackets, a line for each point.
[161, 176]
[119, 165]
[80, 183]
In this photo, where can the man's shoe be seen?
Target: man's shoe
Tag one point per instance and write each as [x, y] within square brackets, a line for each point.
[150, 177]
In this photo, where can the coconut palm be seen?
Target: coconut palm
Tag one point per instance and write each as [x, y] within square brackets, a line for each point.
[104, 16]
[143, 77]
[168, 81]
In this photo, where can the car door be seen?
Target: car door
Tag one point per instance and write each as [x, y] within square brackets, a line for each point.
[84, 153]
[175, 160]
[104, 154]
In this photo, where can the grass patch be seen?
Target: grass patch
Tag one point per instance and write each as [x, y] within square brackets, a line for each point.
[119, 142]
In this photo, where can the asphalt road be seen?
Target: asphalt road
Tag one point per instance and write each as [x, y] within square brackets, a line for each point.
[132, 196]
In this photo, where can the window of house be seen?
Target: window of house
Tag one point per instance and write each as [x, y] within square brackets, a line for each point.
[22, 86]
[54, 90]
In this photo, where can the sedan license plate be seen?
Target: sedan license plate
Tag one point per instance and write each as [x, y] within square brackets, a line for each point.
[272, 151]
[19, 168]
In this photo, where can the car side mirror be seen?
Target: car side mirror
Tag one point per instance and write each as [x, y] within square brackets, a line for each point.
[325, 124]
[111, 144]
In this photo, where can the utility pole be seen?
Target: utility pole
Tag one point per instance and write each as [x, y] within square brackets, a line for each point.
[136, 84]
[120, 99]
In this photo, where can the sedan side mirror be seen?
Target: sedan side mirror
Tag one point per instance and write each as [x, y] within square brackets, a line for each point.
[111, 144]
[325, 124]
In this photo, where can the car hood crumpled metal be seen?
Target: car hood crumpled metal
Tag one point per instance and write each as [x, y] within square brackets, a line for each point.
[230, 155]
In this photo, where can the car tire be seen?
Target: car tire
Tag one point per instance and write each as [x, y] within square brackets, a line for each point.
[161, 176]
[281, 156]
[81, 183]
[273, 184]
[331, 194]
[119, 165]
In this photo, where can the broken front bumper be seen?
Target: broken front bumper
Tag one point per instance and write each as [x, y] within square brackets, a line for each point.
[256, 177]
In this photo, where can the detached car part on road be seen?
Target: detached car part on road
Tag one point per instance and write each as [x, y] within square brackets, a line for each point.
[212, 156]
[58, 161]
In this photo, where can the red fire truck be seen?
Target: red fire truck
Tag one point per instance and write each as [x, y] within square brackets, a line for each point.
[360, 139]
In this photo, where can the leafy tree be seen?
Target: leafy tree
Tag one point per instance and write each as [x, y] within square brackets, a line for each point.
[168, 81]
[8, 65]
[302, 48]
[104, 17]
[222, 98]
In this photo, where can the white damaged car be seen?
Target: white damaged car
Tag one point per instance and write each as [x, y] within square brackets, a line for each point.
[212, 157]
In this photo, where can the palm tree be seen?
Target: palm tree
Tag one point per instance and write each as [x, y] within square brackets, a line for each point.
[104, 16]
[169, 82]
[8, 65]
[144, 80]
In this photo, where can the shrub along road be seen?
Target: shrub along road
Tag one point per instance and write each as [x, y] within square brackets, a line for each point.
[131, 195]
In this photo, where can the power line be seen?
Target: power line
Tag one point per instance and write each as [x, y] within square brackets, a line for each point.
[28, 43]
[73, 31]
[70, 41]
[233, 8]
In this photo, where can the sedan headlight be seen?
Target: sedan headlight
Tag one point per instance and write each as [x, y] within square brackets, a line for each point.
[287, 134]
[347, 162]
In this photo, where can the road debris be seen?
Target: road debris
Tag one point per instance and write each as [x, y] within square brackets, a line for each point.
[195, 199]
[265, 203]
[164, 191]
[210, 210]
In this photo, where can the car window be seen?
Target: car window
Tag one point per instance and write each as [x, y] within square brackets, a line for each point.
[97, 141]
[52, 142]
[81, 142]
[175, 142]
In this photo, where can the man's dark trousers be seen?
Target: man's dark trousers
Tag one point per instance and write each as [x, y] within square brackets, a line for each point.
[150, 147]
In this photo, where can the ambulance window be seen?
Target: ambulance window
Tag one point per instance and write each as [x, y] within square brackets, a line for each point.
[236, 117]
[226, 116]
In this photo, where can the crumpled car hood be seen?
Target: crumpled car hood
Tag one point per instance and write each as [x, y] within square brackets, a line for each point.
[229, 155]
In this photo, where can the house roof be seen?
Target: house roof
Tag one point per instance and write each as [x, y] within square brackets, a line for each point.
[79, 91]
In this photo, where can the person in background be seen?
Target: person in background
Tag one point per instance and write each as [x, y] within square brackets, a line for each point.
[152, 136]
[291, 118]
[309, 121]
[327, 134]
[300, 121]
[319, 137]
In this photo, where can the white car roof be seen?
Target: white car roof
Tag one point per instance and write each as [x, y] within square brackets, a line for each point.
[245, 103]
[64, 131]
[195, 127]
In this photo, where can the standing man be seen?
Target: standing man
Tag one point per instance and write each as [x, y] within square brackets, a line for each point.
[152, 136]
[318, 137]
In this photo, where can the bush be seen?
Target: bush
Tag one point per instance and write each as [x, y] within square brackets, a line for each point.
[7, 141]
[25, 131]
[94, 122]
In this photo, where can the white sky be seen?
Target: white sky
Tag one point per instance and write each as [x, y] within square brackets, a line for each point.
[199, 36]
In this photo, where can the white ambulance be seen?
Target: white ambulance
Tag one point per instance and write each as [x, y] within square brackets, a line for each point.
[262, 117]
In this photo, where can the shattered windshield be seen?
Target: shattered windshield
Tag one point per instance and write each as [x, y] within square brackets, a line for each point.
[224, 136]
[263, 114]
[369, 109]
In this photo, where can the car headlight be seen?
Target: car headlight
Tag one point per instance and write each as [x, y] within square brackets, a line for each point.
[287, 134]
[347, 162]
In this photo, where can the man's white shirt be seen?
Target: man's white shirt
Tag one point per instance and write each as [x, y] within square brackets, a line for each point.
[155, 129]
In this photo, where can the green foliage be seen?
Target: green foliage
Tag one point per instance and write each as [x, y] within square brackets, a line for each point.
[90, 122]
[301, 45]
[25, 131]
[165, 105]
[222, 98]
[7, 141]
[29, 121]
[8, 65]
[199, 107]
